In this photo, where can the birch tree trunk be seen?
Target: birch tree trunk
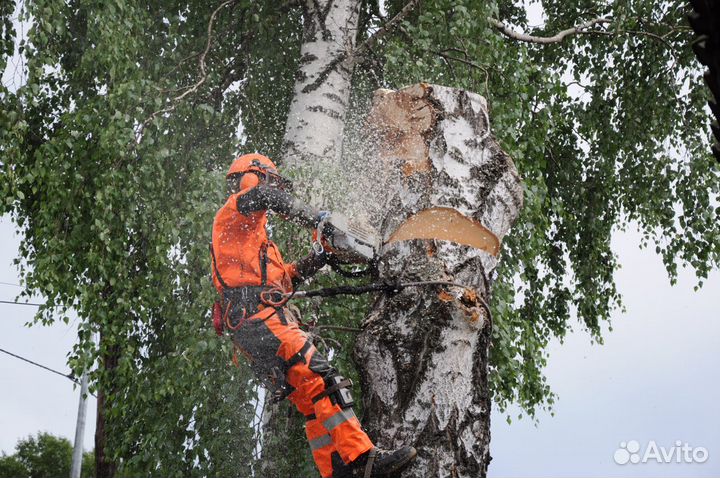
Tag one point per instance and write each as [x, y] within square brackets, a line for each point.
[315, 125]
[423, 353]
[312, 146]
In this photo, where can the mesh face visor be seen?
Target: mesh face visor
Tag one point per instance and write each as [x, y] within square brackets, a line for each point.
[271, 177]
[277, 181]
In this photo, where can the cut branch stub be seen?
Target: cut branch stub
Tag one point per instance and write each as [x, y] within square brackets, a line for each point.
[439, 139]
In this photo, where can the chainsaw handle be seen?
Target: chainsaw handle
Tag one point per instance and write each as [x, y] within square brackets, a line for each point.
[317, 245]
[336, 265]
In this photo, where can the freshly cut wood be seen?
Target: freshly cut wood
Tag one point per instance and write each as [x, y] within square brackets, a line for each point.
[447, 224]
[423, 353]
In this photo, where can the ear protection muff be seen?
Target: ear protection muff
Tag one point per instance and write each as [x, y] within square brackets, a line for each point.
[249, 180]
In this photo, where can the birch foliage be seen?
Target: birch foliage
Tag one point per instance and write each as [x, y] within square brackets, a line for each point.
[114, 147]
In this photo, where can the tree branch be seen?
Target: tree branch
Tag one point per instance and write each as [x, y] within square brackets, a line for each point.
[583, 29]
[385, 30]
[360, 51]
[465, 61]
[660, 38]
[197, 84]
[507, 31]
[651, 35]
[337, 327]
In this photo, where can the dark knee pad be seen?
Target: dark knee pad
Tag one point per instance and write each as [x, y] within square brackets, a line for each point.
[336, 386]
[340, 468]
[320, 365]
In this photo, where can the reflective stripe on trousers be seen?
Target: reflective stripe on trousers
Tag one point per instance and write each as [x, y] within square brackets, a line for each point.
[321, 442]
[340, 417]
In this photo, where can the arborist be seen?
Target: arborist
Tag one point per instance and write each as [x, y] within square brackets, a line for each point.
[252, 279]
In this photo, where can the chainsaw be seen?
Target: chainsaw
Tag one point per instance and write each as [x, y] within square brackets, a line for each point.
[350, 242]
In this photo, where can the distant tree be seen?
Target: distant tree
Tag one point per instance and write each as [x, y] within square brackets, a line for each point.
[42, 456]
[45, 456]
[88, 465]
[11, 467]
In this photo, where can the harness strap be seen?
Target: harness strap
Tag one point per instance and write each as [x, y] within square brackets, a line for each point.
[370, 462]
[300, 356]
[246, 297]
[347, 383]
[263, 264]
[215, 267]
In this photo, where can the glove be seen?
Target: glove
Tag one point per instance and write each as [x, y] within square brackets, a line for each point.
[321, 216]
[310, 264]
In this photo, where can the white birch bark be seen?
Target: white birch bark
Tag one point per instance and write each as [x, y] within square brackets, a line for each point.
[423, 353]
[314, 129]
[312, 143]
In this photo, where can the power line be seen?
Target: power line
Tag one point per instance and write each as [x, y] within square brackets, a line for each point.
[20, 303]
[67, 376]
[10, 283]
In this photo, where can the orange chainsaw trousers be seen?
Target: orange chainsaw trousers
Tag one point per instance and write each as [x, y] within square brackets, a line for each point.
[281, 355]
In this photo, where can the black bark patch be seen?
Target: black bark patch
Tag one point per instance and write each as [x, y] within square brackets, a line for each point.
[321, 109]
[335, 98]
[464, 109]
[300, 76]
[323, 75]
[489, 174]
[307, 58]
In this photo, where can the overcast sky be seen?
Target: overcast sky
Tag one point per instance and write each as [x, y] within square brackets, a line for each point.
[655, 380]
[33, 399]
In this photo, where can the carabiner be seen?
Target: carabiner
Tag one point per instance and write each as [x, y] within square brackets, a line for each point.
[317, 244]
[268, 297]
[240, 322]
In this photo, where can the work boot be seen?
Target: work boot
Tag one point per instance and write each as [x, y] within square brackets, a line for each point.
[377, 462]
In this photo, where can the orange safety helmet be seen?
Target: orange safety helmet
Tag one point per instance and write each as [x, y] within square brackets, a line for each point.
[262, 167]
[252, 162]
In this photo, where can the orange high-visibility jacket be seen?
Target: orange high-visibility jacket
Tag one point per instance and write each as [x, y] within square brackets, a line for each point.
[242, 253]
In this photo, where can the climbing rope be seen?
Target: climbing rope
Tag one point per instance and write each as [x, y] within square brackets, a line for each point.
[387, 287]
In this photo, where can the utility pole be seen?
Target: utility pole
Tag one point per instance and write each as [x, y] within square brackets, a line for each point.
[80, 429]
